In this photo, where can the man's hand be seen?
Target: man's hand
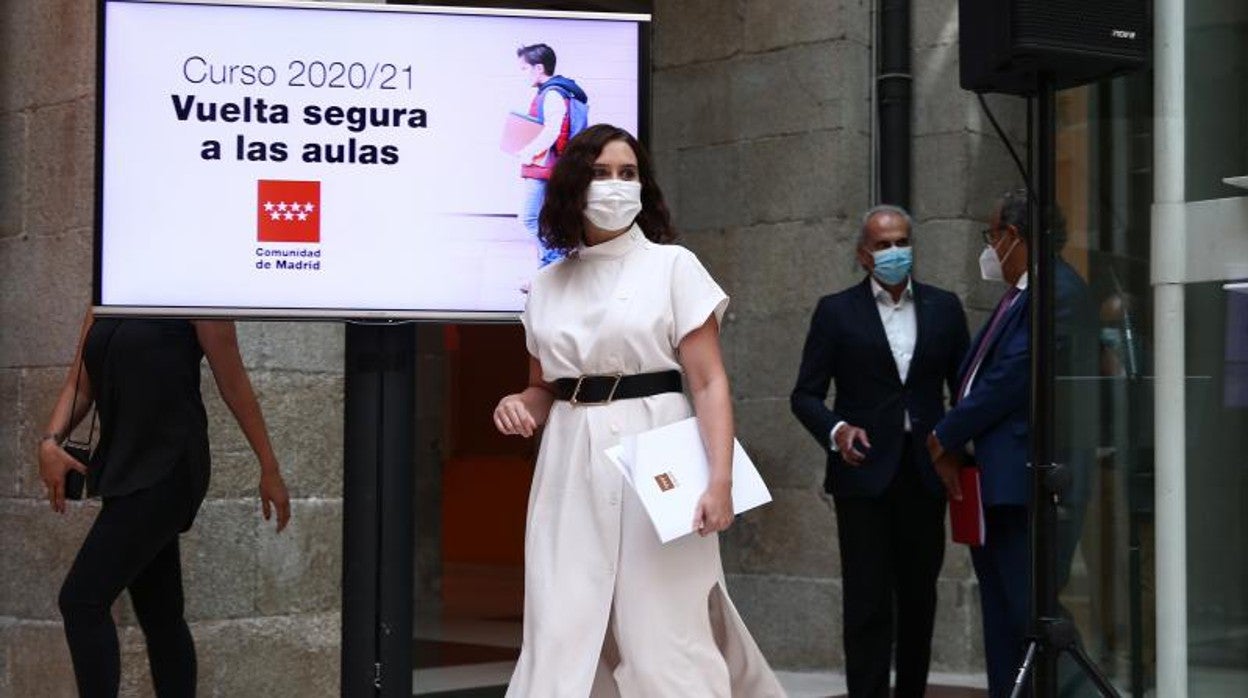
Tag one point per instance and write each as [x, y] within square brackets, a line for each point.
[947, 467]
[935, 450]
[847, 440]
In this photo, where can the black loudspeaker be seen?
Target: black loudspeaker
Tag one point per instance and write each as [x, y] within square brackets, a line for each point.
[1005, 44]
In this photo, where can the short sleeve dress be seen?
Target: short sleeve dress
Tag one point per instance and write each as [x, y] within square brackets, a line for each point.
[609, 610]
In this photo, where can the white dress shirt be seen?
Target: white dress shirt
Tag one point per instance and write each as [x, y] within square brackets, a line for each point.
[901, 329]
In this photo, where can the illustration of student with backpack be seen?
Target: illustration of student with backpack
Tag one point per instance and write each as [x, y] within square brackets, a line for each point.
[559, 111]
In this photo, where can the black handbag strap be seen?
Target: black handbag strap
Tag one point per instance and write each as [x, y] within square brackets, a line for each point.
[73, 406]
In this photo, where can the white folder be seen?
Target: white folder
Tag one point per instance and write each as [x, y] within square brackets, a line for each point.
[669, 470]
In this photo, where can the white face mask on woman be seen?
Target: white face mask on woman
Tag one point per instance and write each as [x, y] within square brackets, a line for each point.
[612, 204]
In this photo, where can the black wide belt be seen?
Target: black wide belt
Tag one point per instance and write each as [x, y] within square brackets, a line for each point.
[602, 388]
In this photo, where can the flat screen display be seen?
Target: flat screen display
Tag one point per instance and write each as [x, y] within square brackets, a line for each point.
[316, 160]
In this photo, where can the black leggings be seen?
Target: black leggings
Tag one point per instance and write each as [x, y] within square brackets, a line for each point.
[132, 545]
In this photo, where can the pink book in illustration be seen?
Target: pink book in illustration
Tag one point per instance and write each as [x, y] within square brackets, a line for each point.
[519, 130]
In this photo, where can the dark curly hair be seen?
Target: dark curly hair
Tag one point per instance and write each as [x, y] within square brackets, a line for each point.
[561, 224]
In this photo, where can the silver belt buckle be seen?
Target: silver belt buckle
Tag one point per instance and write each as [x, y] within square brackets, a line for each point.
[610, 396]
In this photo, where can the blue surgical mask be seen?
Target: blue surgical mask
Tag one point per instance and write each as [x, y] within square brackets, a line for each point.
[892, 265]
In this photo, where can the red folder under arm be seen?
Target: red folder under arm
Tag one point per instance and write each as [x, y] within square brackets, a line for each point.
[966, 517]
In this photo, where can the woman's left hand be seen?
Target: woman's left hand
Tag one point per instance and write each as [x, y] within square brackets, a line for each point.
[714, 512]
[273, 495]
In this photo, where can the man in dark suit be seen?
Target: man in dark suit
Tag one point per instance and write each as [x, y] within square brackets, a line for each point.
[891, 345]
[990, 412]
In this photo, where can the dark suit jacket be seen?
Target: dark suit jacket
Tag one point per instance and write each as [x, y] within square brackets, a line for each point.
[847, 345]
[994, 413]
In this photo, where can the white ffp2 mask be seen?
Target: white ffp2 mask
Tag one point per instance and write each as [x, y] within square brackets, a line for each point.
[612, 204]
[990, 264]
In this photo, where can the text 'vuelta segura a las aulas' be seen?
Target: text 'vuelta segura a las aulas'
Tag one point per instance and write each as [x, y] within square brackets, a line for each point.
[288, 212]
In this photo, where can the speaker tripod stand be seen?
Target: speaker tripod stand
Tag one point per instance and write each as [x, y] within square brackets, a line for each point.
[1053, 635]
[1062, 637]
[1050, 633]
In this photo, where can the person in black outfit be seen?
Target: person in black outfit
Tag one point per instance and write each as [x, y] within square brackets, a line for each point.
[891, 345]
[151, 469]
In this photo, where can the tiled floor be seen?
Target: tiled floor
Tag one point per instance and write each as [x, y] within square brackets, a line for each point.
[470, 651]
[823, 684]
[474, 659]
[465, 657]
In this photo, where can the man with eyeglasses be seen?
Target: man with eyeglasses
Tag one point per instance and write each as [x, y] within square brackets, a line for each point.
[990, 412]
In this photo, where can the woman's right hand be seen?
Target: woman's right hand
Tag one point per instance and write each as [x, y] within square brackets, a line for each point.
[512, 416]
[54, 462]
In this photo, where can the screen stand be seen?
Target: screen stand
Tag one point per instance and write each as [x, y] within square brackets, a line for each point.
[377, 536]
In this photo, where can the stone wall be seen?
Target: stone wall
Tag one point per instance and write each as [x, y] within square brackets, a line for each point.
[761, 132]
[263, 608]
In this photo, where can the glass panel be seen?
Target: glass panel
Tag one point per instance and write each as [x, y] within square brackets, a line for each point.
[1217, 490]
[1105, 191]
[1103, 382]
[1217, 354]
[1217, 96]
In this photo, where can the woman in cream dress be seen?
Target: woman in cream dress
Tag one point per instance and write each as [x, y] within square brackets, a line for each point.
[609, 610]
